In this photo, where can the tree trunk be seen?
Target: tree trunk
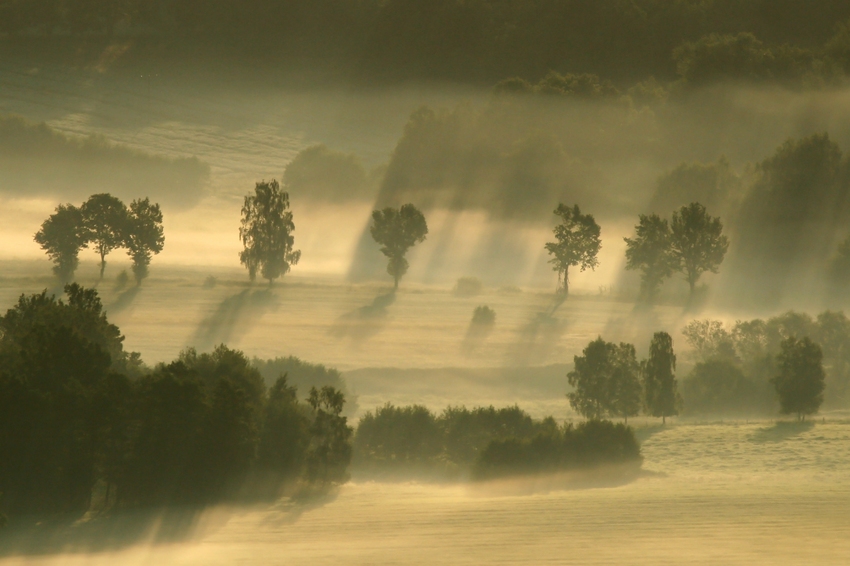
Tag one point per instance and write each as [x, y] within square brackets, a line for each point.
[566, 281]
[663, 420]
[395, 287]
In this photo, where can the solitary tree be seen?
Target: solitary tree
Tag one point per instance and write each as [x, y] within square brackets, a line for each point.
[397, 230]
[697, 244]
[577, 243]
[800, 382]
[62, 236]
[266, 233]
[143, 235]
[104, 221]
[660, 392]
[649, 251]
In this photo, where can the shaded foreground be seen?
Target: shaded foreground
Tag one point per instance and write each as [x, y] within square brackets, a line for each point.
[731, 494]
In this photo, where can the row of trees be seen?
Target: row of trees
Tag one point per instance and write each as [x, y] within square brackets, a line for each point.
[103, 223]
[692, 243]
[738, 371]
[84, 424]
[608, 380]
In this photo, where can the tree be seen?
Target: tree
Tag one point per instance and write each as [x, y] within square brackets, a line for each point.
[697, 244]
[660, 392]
[578, 244]
[800, 382]
[104, 222]
[62, 237]
[626, 392]
[266, 233]
[606, 381]
[649, 251]
[397, 230]
[329, 452]
[143, 235]
[590, 378]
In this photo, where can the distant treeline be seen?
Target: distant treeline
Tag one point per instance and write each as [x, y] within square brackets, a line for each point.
[482, 443]
[479, 40]
[85, 425]
[38, 159]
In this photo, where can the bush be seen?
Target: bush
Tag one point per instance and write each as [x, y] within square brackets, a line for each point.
[718, 387]
[590, 444]
[483, 316]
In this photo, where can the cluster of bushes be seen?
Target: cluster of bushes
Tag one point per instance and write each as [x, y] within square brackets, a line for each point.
[482, 442]
[84, 425]
[735, 371]
[104, 223]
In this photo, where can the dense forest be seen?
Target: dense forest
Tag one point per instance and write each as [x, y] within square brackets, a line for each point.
[481, 41]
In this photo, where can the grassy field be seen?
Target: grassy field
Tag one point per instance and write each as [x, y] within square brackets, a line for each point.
[732, 494]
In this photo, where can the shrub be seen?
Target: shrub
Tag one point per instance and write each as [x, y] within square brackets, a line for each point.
[468, 287]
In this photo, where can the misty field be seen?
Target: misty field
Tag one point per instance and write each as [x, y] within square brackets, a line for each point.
[757, 493]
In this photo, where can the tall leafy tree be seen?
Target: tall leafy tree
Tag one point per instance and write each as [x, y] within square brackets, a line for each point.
[697, 243]
[62, 236]
[143, 235]
[104, 221]
[397, 230]
[590, 379]
[626, 392]
[266, 232]
[800, 382]
[577, 244]
[329, 452]
[659, 381]
[649, 252]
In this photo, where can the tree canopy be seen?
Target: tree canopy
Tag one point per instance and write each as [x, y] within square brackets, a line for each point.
[697, 242]
[105, 223]
[143, 235]
[800, 382]
[397, 230]
[605, 380]
[266, 232]
[660, 390]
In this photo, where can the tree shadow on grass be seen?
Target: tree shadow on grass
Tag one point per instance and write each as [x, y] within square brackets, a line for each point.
[123, 301]
[100, 534]
[364, 322]
[780, 432]
[537, 339]
[233, 318]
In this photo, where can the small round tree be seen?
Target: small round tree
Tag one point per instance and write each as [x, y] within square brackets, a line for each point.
[697, 243]
[649, 252]
[397, 230]
[104, 221]
[143, 235]
[800, 382]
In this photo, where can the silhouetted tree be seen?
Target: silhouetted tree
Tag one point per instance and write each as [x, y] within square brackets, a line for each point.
[397, 230]
[626, 391]
[329, 452]
[266, 233]
[697, 244]
[284, 437]
[62, 236]
[800, 382]
[577, 243]
[718, 387]
[660, 392]
[143, 235]
[606, 381]
[591, 379]
[104, 221]
[649, 251]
